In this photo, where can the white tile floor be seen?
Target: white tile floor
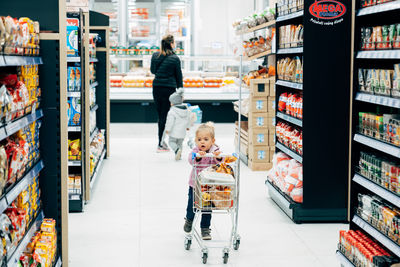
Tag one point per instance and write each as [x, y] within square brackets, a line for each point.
[136, 215]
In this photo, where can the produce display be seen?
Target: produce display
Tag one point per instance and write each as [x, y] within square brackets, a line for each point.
[74, 111]
[74, 184]
[96, 149]
[385, 127]
[380, 82]
[74, 150]
[133, 81]
[19, 36]
[254, 20]
[290, 136]
[290, 69]
[382, 216]
[380, 37]
[381, 171]
[291, 104]
[363, 251]
[212, 82]
[193, 82]
[261, 73]
[74, 79]
[291, 36]
[287, 175]
[286, 7]
[42, 248]
[116, 81]
[367, 3]
[260, 44]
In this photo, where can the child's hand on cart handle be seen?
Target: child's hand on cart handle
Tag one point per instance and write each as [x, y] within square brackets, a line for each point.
[216, 154]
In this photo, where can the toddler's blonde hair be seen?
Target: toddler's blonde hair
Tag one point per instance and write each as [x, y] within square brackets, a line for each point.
[208, 126]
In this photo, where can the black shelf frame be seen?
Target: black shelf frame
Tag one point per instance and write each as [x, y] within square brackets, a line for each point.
[383, 14]
[321, 206]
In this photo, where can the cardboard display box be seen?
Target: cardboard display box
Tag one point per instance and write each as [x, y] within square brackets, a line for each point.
[254, 166]
[262, 87]
[259, 154]
[262, 120]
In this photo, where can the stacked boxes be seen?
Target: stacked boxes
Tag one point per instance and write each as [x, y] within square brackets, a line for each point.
[261, 124]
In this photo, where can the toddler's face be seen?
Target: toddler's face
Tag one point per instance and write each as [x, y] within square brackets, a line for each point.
[204, 141]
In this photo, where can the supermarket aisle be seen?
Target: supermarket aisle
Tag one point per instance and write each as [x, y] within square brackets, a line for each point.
[136, 215]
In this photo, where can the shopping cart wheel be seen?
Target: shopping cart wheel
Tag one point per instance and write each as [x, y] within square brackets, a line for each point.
[188, 243]
[236, 244]
[226, 257]
[205, 256]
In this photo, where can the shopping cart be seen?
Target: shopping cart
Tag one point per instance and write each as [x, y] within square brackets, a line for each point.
[195, 121]
[216, 192]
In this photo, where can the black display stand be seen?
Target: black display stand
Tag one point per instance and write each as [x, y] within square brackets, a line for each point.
[326, 96]
[383, 14]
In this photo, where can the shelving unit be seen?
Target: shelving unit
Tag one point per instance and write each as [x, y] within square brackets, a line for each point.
[318, 117]
[343, 260]
[257, 28]
[53, 115]
[380, 14]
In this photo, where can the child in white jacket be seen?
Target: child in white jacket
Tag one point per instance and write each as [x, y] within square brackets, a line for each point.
[178, 122]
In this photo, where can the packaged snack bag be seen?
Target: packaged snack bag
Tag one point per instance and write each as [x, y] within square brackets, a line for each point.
[71, 79]
[74, 111]
[72, 41]
[396, 81]
[77, 79]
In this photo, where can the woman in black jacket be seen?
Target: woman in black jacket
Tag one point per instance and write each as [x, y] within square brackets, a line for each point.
[166, 66]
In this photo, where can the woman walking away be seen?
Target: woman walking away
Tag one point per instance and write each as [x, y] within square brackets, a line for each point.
[166, 66]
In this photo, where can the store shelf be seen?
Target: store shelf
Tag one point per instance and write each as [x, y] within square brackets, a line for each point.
[379, 100]
[378, 145]
[379, 8]
[144, 38]
[284, 202]
[297, 50]
[73, 59]
[58, 263]
[298, 86]
[290, 16]
[290, 119]
[72, 163]
[379, 54]
[13, 256]
[22, 184]
[97, 168]
[93, 134]
[384, 240]
[377, 189]
[74, 196]
[74, 128]
[343, 260]
[6, 61]
[94, 108]
[257, 28]
[266, 53]
[17, 125]
[94, 84]
[289, 152]
[93, 60]
[74, 94]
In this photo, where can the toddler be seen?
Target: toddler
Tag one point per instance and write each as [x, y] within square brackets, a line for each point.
[205, 143]
[178, 122]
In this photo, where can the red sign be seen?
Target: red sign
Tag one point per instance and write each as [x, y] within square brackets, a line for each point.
[327, 9]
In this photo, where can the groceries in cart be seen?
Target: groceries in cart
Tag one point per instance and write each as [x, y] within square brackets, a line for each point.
[215, 185]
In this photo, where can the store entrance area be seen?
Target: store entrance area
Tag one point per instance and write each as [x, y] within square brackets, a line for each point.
[135, 216]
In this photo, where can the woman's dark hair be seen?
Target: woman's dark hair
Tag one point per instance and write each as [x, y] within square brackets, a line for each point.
[166, 45]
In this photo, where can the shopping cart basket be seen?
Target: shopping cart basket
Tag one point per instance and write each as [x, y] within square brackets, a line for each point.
[216, 192]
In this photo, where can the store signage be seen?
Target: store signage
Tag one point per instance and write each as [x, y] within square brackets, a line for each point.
[173, 24]
[327, 12]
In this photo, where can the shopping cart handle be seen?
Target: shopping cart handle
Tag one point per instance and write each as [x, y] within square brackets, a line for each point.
[211, 155]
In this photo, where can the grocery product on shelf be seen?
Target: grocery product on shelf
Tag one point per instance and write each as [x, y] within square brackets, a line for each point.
[74, 79]
[261, 73]
[367, 3]
[260, 44]
[148, 82]
[29, 200]
[96, 149]
[116, 81]
[72, 37]
[291, 104]
[93, 39]
[19, 36]
[74, 184]
[380, 170]
[290, 69]
[291, 36]
[134, 50]
[212, 82]
[29, 76]
[42, 248]
[287, 175]
[74, 150]
[380, 37]
[362, 250]
[92, 72]
[74, 111]
[254, 20]
[290, 136]
[140, 13]
[285, 7]
[193, 82]
[133, 81]
[384, 127]
[380, 82]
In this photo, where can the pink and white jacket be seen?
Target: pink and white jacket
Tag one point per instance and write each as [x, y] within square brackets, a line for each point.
[204, 162]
